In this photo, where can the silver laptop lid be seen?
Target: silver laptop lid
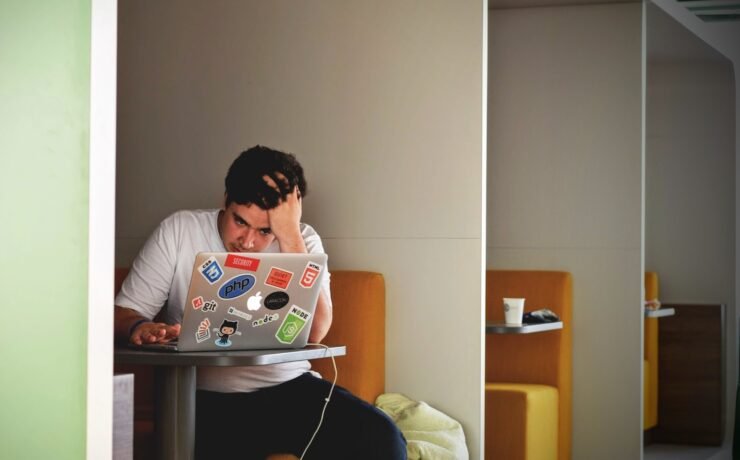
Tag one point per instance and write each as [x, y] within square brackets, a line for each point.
[243, 301]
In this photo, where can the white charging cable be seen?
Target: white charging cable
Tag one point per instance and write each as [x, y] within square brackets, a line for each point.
[327, 399]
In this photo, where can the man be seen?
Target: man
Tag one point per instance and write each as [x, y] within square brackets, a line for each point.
[258, 410]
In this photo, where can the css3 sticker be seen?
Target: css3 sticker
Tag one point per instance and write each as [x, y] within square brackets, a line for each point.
[211, 270]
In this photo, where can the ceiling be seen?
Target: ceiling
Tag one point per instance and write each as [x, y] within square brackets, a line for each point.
[501, 4]
[713, 10]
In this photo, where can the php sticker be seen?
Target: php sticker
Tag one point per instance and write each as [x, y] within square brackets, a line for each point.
[239, 313]
[276, 300]
[242, 263]
[198, 302]
[292, 325]
[279, 278]
[267, 319]
[204, 331]
[236, 287]
[310, 274]
[211, 270]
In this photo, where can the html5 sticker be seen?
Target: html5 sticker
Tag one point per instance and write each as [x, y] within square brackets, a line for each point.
[242, 263]
[310, 275]
[279, 278]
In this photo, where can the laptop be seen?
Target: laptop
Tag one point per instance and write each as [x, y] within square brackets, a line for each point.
[249, 301]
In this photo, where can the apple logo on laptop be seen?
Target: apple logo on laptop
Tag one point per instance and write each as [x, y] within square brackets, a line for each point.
[255, 302]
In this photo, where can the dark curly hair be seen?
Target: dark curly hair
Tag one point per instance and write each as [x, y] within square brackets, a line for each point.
[245, 183]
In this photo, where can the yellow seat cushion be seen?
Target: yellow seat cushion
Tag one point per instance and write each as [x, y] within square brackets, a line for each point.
[521, 422]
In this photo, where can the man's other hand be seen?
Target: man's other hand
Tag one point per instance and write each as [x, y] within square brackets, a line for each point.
[154, 333]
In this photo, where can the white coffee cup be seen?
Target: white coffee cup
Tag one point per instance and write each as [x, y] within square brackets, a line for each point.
[513, 310]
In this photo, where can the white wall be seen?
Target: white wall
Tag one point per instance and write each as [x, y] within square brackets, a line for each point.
[382, 103]
[564, 192]
[690, 175]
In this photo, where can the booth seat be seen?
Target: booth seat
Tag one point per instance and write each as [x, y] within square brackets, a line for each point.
[529, 376]
[358, 322]
[650, 363]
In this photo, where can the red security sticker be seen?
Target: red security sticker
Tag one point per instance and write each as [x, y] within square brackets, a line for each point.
[242, 263]
[279, 278]
[198, 302]
[310, 274]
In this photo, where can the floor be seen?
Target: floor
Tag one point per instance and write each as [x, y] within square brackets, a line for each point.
[679, 452]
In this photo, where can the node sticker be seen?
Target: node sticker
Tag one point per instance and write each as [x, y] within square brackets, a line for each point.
[211, 270]
[236, 287]
[242, 263]
[292, 325]
[267, 319]
[279, 278]
[239, 313]
[204, 331]
[198, 302]
[310, 274]
[276, 300]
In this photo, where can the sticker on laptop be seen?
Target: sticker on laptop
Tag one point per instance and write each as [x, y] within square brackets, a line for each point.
[279, 278]
[239, 313]
[276, 300]
[204, 331]
[242, 263]
[210, 306]
[267, 319]
[255, 302]
[292, 325]
[211, 270]
[236, 287]
[310, 274]
[226, 330]
[198, 302]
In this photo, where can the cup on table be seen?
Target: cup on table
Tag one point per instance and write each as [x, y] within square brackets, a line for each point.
[513, 310]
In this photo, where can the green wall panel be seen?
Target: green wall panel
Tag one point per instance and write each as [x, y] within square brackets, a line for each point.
[44, 132]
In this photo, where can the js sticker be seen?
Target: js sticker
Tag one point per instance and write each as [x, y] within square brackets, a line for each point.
[211, 270]
[292, 325]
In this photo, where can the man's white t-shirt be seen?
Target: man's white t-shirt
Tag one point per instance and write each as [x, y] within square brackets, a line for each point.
[160, 276]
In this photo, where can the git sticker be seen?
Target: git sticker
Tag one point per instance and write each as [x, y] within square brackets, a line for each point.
[310, 274]
[292, 325]
[211, 270]
[242, 263]
[204, 331]
[279, 278]
[198, 302]
[211, 305]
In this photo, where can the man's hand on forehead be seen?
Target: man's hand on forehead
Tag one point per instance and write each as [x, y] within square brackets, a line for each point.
[278, 182]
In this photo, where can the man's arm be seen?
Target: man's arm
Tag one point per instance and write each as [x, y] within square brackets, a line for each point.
[145, 331]
[285, 225]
